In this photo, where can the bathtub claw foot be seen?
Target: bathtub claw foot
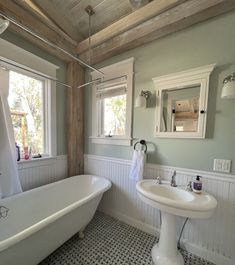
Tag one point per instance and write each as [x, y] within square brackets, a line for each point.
[81, 235]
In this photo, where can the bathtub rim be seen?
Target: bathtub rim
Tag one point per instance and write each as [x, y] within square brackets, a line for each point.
[10, 241]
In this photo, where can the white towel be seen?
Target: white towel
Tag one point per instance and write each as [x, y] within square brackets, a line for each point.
[137, 165]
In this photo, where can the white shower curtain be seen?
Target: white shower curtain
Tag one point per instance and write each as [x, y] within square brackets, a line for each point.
[9, 178]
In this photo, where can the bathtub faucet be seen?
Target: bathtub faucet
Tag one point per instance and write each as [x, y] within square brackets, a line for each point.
[3, 211]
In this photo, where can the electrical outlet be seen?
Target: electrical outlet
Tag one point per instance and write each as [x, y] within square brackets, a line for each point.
[222, 165]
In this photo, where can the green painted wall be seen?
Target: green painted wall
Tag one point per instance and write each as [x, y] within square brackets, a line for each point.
[60, 92]
[210, 42]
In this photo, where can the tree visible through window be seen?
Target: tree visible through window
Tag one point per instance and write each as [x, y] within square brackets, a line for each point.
[115, 115]
[26, 105]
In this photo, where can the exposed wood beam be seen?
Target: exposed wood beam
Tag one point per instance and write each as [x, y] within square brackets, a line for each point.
[13, 10]
[59, 18]
[140, 15]
[33, 8]
[175, 19]
[75, 118]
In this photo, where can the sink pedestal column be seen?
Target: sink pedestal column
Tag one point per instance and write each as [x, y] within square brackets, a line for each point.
[165, 252]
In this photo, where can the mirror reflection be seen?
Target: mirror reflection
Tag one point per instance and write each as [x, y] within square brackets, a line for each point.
[180, 109]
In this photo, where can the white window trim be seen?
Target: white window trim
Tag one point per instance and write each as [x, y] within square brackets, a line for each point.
[14, 54]
[122, 68]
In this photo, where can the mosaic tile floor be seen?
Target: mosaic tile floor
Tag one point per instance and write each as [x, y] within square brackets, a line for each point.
[110, 242]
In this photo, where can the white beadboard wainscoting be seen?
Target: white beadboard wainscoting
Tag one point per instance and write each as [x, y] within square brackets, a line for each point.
[212, 239]
[35, 173]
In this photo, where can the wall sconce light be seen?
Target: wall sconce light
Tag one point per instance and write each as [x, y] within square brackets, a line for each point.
[140, 101]
[228, 90]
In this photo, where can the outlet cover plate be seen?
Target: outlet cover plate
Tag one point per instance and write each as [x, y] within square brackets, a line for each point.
[222, 165]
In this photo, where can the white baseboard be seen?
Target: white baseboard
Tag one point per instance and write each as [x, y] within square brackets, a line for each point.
[205, 254]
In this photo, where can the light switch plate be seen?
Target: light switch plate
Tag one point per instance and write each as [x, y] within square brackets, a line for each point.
[222, 165]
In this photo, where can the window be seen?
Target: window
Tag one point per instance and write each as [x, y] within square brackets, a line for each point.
[112, 105]
[35, 124]
[26, 101]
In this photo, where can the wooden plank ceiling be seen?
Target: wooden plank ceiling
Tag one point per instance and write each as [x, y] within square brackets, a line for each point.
[117, 26]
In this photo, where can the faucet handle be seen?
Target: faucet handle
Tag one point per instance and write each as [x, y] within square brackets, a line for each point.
[189, 186]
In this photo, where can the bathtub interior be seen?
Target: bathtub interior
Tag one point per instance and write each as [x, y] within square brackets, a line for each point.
[35, 206]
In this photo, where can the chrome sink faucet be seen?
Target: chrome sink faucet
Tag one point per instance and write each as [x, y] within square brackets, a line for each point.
[173, 181]
[159, 180]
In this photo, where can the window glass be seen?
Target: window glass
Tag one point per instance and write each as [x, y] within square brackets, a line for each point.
[114, 115]
[26, 105]
[112, 104]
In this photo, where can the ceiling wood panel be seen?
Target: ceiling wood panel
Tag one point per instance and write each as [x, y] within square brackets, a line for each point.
[34, 9]
[59, 18]
[175, 19]
[30, 21]
[106, 12]
[152, 9]
[116, 26]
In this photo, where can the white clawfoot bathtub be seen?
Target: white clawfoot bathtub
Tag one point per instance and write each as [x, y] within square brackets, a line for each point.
[42, 219]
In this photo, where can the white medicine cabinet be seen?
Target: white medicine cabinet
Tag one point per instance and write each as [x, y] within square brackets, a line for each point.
[181, 108]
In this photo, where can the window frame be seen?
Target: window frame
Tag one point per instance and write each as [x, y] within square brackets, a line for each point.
[122, 68]
[18, 56]
[45, 103]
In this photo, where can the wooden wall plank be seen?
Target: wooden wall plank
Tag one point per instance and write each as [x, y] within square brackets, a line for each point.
[75, 118]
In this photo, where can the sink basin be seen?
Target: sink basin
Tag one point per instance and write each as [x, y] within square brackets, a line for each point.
[173, 201]
[168, 192]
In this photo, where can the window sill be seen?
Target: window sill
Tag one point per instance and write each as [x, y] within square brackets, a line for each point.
[111, 140]
[34, 162]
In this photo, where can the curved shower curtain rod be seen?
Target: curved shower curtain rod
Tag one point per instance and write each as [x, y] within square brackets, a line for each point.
[33, 72]
[98, 80]
[50, 43]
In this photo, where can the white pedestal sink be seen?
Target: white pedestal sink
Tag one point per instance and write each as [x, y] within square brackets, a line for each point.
[172, 202]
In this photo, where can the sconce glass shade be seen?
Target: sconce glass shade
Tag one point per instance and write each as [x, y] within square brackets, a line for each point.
[140, 102]
[3, 25]
[228, 90]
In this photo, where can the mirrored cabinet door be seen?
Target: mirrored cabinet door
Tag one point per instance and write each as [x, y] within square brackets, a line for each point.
[180, 109]
[182, 103]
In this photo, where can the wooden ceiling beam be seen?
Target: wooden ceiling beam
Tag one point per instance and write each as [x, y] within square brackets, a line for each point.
[175, 19]
[30, 6]
[28, 20]
[139, 16]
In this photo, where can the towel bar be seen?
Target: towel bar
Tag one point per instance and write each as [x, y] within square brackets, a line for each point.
[142, 142]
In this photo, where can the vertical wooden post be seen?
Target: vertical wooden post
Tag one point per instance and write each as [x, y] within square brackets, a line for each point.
[75, 119]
